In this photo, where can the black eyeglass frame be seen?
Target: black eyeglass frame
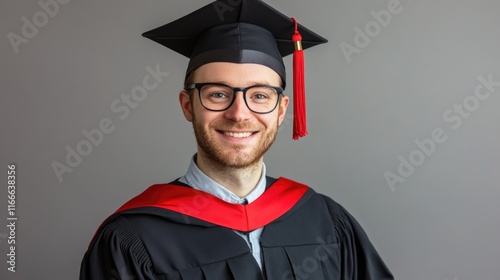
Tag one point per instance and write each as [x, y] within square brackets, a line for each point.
[198, 86]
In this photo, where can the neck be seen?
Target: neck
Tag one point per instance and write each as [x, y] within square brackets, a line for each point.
[239, 180]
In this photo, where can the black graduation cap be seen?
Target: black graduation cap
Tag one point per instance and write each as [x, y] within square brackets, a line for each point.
[240, 31]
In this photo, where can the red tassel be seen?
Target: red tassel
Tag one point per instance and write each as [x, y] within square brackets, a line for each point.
[299, 92]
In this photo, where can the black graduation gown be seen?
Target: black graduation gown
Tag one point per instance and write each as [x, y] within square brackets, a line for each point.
[315, 239]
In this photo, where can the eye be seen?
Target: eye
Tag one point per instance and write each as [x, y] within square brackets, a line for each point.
[218, 95]
[259, 96]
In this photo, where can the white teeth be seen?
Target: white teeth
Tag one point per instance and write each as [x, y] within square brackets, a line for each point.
[238, 135]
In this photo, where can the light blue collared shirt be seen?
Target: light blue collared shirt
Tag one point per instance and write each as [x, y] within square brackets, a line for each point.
[198, 180]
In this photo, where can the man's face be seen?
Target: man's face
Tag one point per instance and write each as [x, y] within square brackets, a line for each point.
[236, 137]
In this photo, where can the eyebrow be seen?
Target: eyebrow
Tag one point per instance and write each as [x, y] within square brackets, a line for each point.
[255, 83]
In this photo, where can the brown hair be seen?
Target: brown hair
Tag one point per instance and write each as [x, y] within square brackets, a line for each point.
[187, 82]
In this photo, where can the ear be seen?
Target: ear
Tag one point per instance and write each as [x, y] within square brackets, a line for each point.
[186, 105]
[282, 108]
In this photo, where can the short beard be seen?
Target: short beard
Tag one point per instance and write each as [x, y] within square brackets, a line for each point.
[214, 153]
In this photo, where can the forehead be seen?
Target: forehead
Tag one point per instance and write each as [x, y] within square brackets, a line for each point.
[236, 74]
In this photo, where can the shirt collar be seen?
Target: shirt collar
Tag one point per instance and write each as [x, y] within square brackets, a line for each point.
[198, 180]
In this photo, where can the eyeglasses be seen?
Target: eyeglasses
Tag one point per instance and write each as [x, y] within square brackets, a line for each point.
[260, 99]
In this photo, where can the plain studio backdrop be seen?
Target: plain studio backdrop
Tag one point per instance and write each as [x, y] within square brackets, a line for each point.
[402, 112]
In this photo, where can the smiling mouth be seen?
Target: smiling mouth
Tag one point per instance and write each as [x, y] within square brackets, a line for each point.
[237, 134]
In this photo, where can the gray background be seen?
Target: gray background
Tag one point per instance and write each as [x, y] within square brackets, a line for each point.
[440, 223]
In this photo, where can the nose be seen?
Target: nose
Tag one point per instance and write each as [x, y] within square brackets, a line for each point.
[238, 111]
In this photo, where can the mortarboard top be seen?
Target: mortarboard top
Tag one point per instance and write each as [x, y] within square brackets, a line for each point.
[238, 31]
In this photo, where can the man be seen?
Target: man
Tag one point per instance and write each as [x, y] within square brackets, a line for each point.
[225, 219]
